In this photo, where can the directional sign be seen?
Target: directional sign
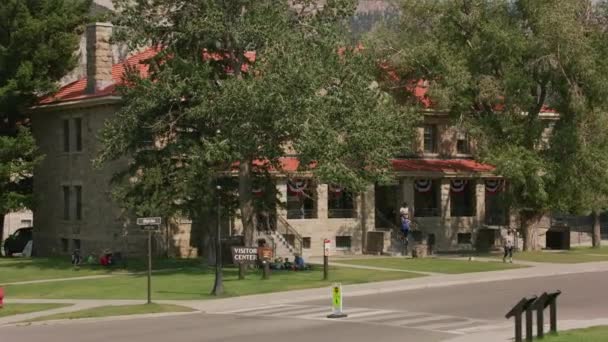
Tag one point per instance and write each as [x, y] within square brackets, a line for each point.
[150, 228]
[148, 221]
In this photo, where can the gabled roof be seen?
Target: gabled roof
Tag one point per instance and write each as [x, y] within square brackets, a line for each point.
[77, 89]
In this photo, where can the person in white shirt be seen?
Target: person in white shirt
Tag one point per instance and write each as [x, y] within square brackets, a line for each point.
[404, 211]
[508, 246]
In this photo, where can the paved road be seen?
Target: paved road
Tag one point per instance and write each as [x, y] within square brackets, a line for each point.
[419, 315]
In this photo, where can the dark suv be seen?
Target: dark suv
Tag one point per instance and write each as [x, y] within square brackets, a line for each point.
[17, 241]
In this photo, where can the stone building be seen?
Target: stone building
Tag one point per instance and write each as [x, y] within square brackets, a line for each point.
[456, 201]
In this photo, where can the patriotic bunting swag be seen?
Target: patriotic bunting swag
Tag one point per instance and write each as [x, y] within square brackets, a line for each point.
[423, 185]
[458, 185]
[494, 185]
[296, 186]
[335, 191]
[257, 191]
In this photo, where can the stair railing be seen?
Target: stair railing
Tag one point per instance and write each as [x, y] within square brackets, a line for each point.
[288, 231]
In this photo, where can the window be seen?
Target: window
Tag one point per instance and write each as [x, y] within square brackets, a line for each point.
[464, 238]
[343, 242]
[462, 198]
[306, 243]
[66, 202]
[426, 202]
[26, 223]
[462, 143]
[340, 203]
[64, 245]
[78, 133]
[76, 243]
[497, 208]
[430, 138]
[66, 135]
[301, 199]
[78, 189]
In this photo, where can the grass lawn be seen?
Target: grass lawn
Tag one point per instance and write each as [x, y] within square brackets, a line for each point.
[194, 283]
[24, 269]
[603, 250]
[17, 309]
[565, 257]
[433, 265]
[595, 334]
[115, 310]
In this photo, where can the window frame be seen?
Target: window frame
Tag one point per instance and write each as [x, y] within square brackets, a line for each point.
[344, 238]
[464, 138]
[344, 207]
[78, 202]
[78, 134]
[66, 135]
[66, 193]
[432, 139]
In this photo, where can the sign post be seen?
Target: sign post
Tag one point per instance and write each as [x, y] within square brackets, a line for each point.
[326, 249]
[150, 225]
[336, 302]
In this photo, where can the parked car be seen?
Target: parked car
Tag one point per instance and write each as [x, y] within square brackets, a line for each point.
[16, 242]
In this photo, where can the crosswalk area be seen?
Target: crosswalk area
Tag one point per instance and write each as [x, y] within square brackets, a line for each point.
[393, 318]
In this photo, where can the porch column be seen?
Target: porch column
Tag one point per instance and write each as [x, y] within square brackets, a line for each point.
[480, 201]
[407, 193]
[445, 198]
[281, 185]
[322, 190]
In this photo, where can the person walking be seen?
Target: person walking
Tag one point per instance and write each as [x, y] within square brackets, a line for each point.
[404, 215]
[509, 242]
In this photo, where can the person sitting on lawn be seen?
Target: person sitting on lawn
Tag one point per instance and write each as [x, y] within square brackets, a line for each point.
[287, 264]
[300, 265]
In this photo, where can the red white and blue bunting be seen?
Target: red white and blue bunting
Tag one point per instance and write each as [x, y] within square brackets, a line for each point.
[458, 185]
[494, 185]
[297, 186]
[257, 191]
[423, 185]
[335, 189]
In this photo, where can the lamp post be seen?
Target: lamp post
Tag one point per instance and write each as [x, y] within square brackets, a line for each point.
[218, 287]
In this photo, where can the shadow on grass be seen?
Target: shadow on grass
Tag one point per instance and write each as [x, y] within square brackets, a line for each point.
[126, 265]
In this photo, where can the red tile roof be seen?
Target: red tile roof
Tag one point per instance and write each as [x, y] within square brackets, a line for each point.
[441, 165]
[291, 164]
[77, 89]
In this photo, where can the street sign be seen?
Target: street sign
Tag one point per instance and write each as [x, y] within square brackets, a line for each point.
[148, 221]
[150, 228]
[244, 255]
[326, 247]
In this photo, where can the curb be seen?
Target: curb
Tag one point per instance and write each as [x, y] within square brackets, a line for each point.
[99, 319]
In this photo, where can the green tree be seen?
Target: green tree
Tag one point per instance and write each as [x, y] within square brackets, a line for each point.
[502, 67]
[37, 44]
[239, 82]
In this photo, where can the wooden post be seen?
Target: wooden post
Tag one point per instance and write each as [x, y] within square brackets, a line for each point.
[149, 267]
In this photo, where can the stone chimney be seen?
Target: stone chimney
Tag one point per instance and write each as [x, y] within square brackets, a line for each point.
[99, 56]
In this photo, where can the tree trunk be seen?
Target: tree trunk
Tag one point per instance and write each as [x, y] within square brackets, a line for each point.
[528, 220]
[2, 231]
[246, 201]
[363, 221]
[596, 236]
[248, 216]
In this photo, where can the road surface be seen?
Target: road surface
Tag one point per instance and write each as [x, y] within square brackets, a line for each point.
[431, 315]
